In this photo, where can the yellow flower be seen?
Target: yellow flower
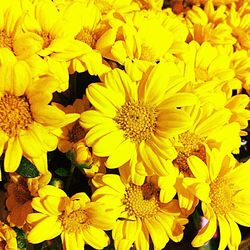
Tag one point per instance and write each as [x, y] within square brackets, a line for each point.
[12, 36]
[239, 20]
[107, 6]
[27, 121]
[222, 184]
[141, 39]
[72, 133]
[150, 4]
[19, 196]
[87, 31]
[210, 129]
[209, 25]
[210, 72]
[133, 122]
[76, 219]
[140, 214]
[7, 237]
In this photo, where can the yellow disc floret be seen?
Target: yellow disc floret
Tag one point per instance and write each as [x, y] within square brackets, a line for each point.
[75, 221]
[137, 120]
[5, 40]
[221, 196]
[141, 201]
[15, 114]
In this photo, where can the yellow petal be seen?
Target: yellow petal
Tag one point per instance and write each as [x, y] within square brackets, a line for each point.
[224, 232]
[198, 168]
[90, 234]
[207, 232]
[121, 155]
[38, 234]
[142, 241]
[13, 155]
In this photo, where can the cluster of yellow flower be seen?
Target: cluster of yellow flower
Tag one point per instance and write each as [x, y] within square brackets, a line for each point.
[168, 114]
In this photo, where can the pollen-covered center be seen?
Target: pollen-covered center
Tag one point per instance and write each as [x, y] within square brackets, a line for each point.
[47, 38]
[191, 144]
[74, 221]
[15, 114]
[76, 133]
[221, 195]
[147, 53]
[201, 74]
[6, 41]
[142, 201]
[137, 120]
[86, 36]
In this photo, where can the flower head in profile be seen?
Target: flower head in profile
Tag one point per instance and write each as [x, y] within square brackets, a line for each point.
[7, 237]
[20, 192]
[140, 39]
[209, 25]
[141, 217]
[222, 185]
[27, 121]
[133, 122]
[77, 220]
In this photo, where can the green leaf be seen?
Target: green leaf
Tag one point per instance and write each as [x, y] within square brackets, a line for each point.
[21, 239]
[63, 172]
[82, 166]
[27, 169]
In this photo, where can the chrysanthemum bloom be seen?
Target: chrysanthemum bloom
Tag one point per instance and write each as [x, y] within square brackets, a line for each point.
[12, 36]
[20, 192]
[210, 71]
[78, 220]
[107, 6]
[53, 32]
[7, 237]
[239, 20]
[143, 38]
[133, 122]
[210, 129]
[149, 4]
[209, 25]
[86, 31]
[222, 185]
[27, 121]
[72, 133]
[141, 217]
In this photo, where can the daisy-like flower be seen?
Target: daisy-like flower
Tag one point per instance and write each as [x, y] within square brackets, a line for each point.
[222, 185]
[133, 122]
[239, 20]
[209, 25]
[210, 71]
[78, 220]
[140, 39]
[141, 217]
[7, 237]
[87, 32]
[149, 4]
[20, 192]
[27, 121]
[73, 132]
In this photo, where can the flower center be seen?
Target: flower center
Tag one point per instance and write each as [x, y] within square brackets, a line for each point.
[46, 39]
[137, 120]
[75, 221]
[142, 201]
[201, 74]
[86, 36]
[15, 114]
[147, 53]
[5, 40]
[221, 195]
[76, 133]
[191, 145]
